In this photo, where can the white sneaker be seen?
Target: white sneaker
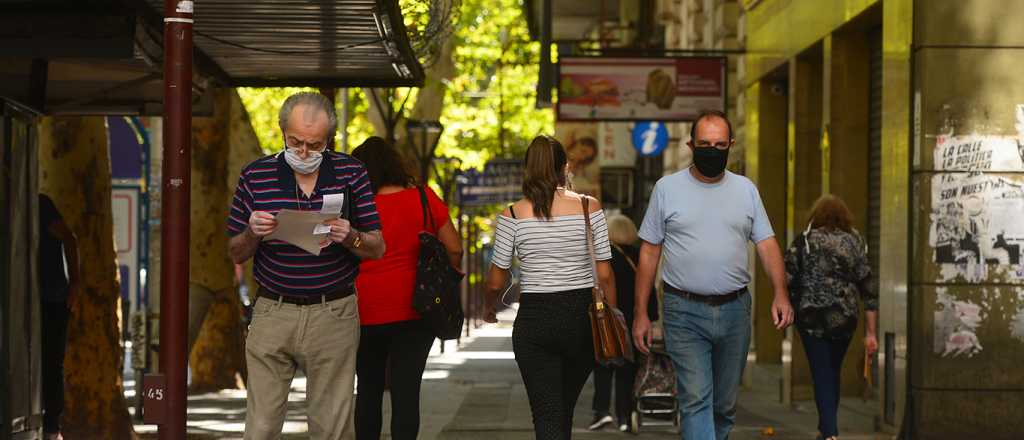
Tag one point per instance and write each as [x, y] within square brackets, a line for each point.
[600, 421]
[623, 428]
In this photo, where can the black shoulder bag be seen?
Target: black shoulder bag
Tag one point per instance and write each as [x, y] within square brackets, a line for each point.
[436, 294]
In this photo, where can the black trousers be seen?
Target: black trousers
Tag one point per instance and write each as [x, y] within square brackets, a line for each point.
[396, 351]
[555, 352]
[54, 320]
[625, 377]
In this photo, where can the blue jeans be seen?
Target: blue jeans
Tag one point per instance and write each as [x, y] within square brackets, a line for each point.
[708, 346]
[825, 357]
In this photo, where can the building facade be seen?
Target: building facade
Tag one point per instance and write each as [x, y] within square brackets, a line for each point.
[910, 111]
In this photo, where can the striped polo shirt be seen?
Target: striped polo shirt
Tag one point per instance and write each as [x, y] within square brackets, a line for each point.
[268, 184]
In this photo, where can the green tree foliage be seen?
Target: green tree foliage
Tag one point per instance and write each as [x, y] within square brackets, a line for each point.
[263, 105]
[497, 66]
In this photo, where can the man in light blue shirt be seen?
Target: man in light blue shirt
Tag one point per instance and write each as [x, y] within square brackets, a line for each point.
[701, 218]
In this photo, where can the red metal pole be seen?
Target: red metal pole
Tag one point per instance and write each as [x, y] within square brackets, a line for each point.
[175, 212]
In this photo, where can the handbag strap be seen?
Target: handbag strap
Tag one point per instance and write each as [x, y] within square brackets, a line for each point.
[426, 211]
[624, 254]
[598, 293]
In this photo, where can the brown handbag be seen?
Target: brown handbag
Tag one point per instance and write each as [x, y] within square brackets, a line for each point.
[612, 342]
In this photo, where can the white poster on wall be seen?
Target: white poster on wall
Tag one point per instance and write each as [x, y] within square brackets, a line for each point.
[974, 223]
[979, 153]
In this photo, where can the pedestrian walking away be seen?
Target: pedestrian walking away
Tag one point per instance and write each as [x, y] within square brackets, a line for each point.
[827, 269]
[306, 314]
[551, 337]
[623, 236]
[394, 341]
[59, 289]
[701, 220]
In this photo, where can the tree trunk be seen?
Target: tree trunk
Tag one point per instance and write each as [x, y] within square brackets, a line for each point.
[244, 147]
[429, 100]
[75, 172]
[218, 356]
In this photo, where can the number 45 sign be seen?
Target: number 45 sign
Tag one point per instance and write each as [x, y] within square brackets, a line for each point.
[650, 138]
[154, 406]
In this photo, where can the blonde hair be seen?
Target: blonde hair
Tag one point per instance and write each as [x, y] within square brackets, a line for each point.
[622, 230]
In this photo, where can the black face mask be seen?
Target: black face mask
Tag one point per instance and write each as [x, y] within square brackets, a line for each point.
[710, 161]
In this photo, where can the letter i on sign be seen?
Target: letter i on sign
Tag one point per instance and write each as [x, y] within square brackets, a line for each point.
[650, 136]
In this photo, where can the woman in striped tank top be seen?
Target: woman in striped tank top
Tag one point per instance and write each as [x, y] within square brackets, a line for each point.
[551, 337]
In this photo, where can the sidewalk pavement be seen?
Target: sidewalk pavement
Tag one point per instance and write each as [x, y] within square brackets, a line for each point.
[476, 392]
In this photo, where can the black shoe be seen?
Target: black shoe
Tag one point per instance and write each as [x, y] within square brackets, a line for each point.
[599, 421]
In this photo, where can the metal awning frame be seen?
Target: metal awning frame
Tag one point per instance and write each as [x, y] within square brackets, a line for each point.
[208, 67]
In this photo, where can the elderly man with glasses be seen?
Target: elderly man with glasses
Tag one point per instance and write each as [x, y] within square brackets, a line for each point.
[306, 314]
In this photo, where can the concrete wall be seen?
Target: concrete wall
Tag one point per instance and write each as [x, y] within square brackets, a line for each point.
[967, 316]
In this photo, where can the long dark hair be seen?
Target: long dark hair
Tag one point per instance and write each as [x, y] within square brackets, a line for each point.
[544, 172]
[384, 164]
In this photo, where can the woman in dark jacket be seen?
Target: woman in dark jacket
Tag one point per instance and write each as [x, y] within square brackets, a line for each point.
[623, 236]
[827, 269]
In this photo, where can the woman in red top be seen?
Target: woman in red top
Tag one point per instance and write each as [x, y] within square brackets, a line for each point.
[393, 335]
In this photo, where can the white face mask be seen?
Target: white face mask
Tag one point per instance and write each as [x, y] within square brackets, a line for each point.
[309, 165]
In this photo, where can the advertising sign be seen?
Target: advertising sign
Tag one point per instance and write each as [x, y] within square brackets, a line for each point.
[632, 89]
[125, 207]
[501, 181]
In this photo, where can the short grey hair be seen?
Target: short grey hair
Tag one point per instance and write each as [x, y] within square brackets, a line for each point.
[622, 230]
[315, 101]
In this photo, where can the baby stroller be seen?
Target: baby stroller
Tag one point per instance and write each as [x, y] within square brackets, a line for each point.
[655, 392]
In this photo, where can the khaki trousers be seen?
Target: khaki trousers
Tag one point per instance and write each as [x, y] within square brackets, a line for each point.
[322, 340]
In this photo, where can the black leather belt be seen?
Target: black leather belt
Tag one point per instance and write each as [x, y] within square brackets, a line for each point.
[712, 300]
[308, 300]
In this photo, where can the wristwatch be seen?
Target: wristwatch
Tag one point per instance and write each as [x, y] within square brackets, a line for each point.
[358, 241]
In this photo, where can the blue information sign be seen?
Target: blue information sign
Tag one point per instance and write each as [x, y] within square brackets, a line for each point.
[650, 138]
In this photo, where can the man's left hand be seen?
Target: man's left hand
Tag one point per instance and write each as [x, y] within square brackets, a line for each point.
[782, 312]
[340, 230]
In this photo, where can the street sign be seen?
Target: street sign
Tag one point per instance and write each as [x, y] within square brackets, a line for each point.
[154, 403]
[501, 181]
[650, 138]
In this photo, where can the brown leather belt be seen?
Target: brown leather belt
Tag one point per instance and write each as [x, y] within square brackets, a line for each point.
[712, 300]
[308, 300]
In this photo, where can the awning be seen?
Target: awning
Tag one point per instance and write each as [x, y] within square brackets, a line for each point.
[105, 56]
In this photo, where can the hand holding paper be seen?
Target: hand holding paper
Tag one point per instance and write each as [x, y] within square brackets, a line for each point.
[299, 228]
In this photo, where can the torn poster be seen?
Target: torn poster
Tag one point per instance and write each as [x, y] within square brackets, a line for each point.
[1017, 325]
[955, 326]
[979, 153]
[975, 223]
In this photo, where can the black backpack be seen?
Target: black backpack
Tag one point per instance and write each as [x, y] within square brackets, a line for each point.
[436, 294]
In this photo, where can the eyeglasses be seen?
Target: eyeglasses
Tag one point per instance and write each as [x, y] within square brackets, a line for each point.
[718, 145]
[317, 147]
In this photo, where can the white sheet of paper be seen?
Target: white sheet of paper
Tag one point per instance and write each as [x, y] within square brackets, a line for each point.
[295, 227]
[333, 204]
[321, 229]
